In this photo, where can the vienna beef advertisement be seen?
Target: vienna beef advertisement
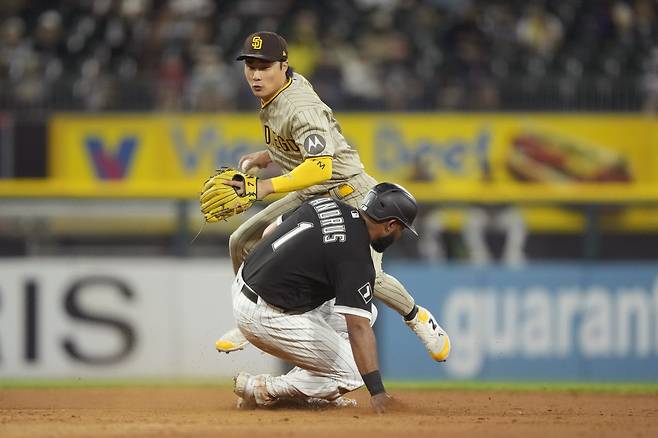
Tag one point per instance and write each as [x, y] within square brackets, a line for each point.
[430, 152]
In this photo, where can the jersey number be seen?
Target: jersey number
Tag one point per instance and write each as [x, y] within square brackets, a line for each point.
[302, 226]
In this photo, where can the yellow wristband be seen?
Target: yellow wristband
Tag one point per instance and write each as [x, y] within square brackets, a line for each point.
[312, 171]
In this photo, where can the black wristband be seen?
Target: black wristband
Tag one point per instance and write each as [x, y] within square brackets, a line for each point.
[373, 381]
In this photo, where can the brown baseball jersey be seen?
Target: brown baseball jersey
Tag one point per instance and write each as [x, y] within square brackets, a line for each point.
[298, 125]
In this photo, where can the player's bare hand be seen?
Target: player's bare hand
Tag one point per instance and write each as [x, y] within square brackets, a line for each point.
[258, 160]
[381, 402]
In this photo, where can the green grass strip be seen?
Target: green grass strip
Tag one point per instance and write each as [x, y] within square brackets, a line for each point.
[585, 387]
[115, 383]
[549, 386]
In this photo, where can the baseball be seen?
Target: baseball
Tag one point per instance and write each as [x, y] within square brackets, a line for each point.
[247, 165]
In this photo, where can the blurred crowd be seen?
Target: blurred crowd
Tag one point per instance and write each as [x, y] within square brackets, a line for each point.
[177, 55]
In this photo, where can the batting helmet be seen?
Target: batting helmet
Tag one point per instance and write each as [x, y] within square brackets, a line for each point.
[390, 201]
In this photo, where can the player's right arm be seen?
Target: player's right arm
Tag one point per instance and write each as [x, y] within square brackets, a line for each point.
[259, 159]
[364, 349]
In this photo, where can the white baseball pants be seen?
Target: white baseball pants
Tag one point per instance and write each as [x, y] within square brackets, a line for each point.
[315, 341]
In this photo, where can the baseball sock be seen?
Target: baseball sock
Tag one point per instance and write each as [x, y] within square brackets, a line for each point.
[411, 315]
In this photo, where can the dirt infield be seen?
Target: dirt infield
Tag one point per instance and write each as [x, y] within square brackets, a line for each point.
[199, 412]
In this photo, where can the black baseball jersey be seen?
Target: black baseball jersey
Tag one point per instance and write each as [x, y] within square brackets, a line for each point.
[319, 251]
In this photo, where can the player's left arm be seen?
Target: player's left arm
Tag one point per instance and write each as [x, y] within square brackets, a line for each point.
[310, 172]
[271, 227]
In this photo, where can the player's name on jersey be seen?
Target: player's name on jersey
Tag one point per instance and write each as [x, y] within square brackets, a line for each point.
[331, 220]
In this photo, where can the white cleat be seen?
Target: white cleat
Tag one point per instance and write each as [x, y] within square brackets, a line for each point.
[232, 340]
[251, 391]
[344, 402]
[244, 390]
[340, 402]
[244, 405]
[434, 338]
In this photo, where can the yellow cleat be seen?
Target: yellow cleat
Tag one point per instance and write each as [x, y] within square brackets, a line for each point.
[434, 338]
[232, 340]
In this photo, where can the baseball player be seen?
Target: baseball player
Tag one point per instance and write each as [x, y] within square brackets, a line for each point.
[305, 140]
[308, 282]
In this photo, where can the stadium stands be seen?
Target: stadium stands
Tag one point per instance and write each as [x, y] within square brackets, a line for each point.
[415, 54]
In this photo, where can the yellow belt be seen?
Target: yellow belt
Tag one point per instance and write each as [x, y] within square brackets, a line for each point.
[341, 191]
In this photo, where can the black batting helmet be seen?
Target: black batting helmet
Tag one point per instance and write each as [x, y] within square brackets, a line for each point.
[390, 201]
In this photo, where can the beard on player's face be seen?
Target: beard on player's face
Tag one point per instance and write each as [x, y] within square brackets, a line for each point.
[381, 243]
[265, 77]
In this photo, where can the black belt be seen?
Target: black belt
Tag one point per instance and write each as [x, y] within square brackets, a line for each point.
[250, 294]
[253, 297]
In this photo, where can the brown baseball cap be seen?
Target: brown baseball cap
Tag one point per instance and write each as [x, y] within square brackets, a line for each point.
[268, 46]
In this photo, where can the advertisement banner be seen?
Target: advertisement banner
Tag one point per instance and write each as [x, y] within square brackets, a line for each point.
[122, 318]
[537, 160]
[149, 148]
[429, 150]
[511, 148]
[543, 322]
[118, 318]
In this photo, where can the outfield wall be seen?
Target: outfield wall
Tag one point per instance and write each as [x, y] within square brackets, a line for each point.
[110, 317]
[545, 322]
[118, 318]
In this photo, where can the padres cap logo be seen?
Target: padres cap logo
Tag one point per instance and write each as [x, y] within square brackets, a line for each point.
[314, 144]
[256, 42]
[264, 45]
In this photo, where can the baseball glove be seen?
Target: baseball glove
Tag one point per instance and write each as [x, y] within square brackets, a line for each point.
[220, 201]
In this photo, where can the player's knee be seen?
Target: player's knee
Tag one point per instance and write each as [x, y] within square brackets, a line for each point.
[351, 382]
[347, 377]
[235, 245]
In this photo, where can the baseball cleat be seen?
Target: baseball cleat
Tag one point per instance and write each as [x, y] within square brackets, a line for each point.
[434, 338]
[243, 388]
[232, 340]
[340, 402]
[252, 391]
[344, 402]
[242, 404]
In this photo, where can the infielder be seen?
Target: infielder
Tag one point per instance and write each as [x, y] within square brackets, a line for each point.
[305, 140]
[307, 282]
